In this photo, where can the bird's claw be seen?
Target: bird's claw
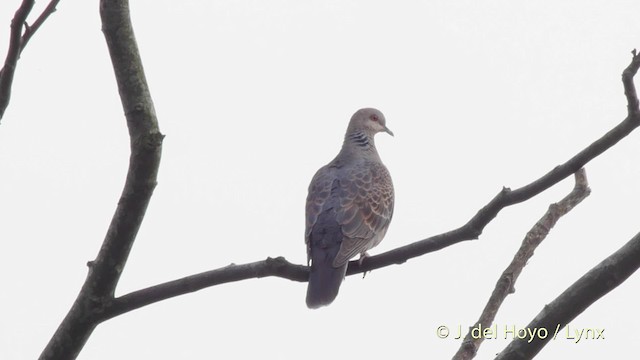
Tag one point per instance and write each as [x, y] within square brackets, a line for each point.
[363, 256]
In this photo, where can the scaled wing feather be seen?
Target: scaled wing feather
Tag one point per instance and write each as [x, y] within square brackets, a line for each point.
[366, 199]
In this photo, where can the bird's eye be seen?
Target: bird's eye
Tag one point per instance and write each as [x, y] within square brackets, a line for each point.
[374, 117]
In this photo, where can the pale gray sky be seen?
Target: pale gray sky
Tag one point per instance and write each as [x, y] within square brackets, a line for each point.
[253, 97]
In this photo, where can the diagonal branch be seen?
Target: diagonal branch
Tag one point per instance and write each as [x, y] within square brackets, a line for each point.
[593, 285]
[280, 267]
[146, 145]
[17, 43]
[507, 197]
[507, 280]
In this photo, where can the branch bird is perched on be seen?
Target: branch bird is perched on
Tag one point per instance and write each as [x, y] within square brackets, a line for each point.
[349, 207]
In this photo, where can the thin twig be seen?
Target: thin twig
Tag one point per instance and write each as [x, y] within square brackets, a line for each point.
[30, 30]
[13, 54]
[629, 88]
[507, 280]
[17, 43]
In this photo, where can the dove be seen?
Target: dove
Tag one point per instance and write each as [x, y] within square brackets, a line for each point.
[349, 207]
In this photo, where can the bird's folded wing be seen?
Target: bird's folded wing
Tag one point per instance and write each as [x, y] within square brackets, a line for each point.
[319, 192]
[366, 207]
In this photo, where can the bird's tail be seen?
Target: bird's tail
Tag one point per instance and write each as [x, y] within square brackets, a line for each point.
[324, 241]
[324, 282]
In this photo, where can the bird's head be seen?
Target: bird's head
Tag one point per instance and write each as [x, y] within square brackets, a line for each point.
[369, 120]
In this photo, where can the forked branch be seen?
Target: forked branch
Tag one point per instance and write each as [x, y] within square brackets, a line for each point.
[17, 42]
[506, 282]
[146, 146]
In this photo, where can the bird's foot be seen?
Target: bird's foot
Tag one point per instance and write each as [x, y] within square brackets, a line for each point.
[363, 256]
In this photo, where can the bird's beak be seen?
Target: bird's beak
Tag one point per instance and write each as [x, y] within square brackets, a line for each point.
[386, 129]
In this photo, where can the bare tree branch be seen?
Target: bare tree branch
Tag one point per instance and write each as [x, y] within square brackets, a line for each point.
[17, 43]
[280, 267]
[146, 145]
[10, 62]
[593, 285]
[507, 280]
[30, 30]
[629, 88]
[270, 267]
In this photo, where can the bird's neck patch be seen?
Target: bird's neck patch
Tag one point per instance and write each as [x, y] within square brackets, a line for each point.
[360, 139]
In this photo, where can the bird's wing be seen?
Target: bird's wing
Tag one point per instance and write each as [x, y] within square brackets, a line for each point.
[319, 192]
[366, 208]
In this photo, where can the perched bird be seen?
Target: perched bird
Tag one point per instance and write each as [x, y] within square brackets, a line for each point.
[349, 207]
